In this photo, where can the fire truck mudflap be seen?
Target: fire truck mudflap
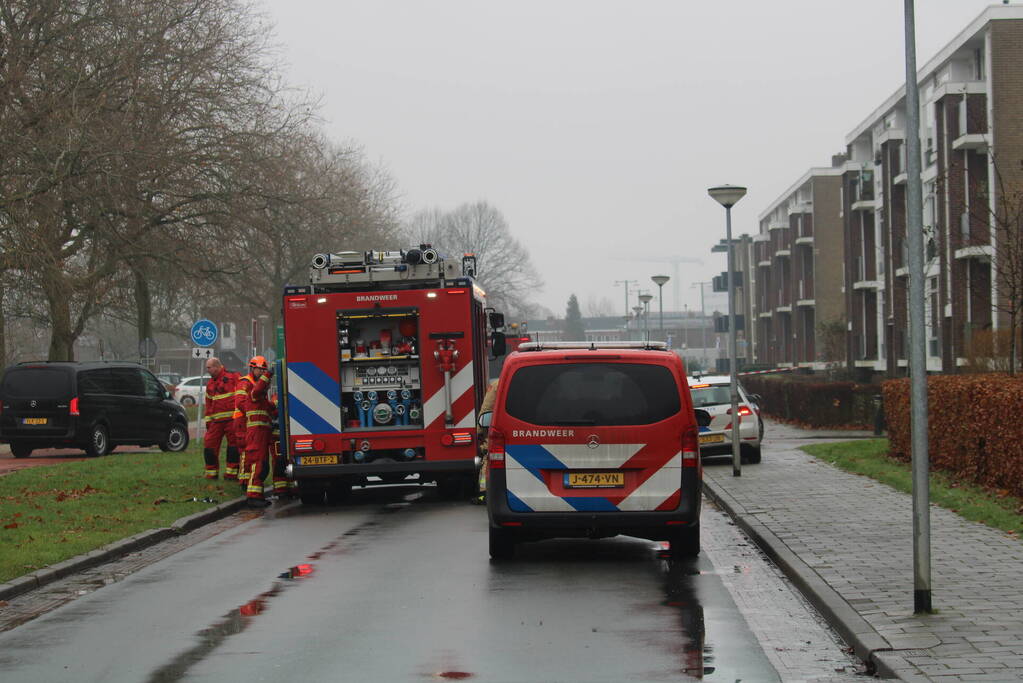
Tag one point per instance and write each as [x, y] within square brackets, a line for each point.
[386, 365]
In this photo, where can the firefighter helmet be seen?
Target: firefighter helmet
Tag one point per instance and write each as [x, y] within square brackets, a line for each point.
[259, 362]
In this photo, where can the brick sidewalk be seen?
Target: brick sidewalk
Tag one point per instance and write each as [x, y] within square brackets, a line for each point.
[851, 539]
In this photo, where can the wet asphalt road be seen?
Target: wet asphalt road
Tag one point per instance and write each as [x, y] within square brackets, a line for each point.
[397, 587]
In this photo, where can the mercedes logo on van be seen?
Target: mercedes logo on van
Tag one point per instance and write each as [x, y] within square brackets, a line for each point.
[592, 441]
[32, 403]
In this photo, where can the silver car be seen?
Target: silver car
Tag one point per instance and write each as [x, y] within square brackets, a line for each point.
[712, 396]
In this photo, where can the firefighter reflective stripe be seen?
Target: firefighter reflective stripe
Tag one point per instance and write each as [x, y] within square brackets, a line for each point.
[239, 399]
[314, 400]
[462, 382]
[257, 418]
[226, 415]
[219, 397]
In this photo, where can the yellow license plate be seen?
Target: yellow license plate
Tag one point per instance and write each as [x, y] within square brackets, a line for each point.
[594, 480]
[712, 438]
[35, 420]
[319, 460]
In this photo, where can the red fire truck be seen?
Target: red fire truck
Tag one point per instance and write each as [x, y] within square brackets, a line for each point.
[384, 370]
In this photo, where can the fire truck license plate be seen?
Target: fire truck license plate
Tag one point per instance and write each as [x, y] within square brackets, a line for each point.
[319, 459]
[712, 438]
[34, 420]
[594, 480]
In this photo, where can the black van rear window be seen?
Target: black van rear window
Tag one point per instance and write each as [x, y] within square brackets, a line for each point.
[44, 383]
[593, 394]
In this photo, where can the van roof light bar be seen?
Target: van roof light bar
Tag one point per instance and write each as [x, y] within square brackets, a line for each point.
[594, 346]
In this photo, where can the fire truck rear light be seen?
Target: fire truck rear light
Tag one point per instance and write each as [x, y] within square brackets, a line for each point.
[456, 291]
[303, 444]
[322, 300]
[318, 445]
[73, 410]
[447, 440]
[462, 438]
[431, 295]
[296, 298]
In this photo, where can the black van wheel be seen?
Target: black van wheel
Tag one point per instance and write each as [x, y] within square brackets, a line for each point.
[99, 442]
[502, 545]
[21, 451]
[685, 543]
[176, 440]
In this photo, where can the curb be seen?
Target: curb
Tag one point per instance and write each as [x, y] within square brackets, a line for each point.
[112, 551]
[870, 646]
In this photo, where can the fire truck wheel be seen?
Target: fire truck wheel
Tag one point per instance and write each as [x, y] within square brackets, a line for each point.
[685, 543]
[502, 545]
[310, 494]
[338, 492]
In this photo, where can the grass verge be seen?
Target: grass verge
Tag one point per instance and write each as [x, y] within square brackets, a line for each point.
[869, 457]
[52, 513]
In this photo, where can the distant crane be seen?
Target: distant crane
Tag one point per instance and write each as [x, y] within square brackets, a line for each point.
[675, 261]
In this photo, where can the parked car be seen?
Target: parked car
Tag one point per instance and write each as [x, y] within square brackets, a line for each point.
[713, 396]
[191, 390]
[593, 440]
[94, 406]
[170, 380]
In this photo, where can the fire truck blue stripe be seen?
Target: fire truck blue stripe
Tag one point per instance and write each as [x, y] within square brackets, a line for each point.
[591, 504]
[515, 503]
[319, 380]
[534, 458]
[308, 418]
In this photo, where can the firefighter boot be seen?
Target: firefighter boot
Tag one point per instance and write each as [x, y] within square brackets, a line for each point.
[231, 469]
[212, 466]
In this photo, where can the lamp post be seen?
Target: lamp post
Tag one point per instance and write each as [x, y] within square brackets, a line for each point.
[626, 283]
[645, 300]
[703, 319]
[638, 311]
[728, 196]
[659, 280]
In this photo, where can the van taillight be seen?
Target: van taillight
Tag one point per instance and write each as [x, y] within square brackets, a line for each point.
[495, 449]
[74, 406]
[690, 447]
[743, 410]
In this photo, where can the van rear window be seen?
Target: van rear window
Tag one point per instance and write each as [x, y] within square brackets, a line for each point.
[599, 394]
[42, 383]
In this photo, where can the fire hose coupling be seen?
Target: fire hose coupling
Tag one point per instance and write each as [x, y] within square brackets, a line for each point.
[446, 354]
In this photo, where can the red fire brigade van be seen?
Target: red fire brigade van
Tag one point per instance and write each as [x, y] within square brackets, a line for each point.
[385, 368]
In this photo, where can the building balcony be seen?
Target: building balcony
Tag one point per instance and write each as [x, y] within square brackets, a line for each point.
[765, 263]
[984, 252]
[807, 240]
[776, 224]
[868, 284]
[902, 272]
[806, 303]
[801, 207]
[765, 314]
[761, 237]
[864, 205]
[783, 253]
[901, 179]
[972, 141]
[783, 309]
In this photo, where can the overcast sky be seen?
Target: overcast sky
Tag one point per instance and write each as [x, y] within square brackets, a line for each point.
[596, 127]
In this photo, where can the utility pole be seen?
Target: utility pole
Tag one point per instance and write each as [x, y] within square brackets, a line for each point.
[917, 341]
[626, 283]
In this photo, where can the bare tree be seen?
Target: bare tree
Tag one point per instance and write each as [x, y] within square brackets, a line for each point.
[505, 269]
[599, 308]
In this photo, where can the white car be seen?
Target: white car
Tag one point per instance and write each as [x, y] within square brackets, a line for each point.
[191, 390]
[712, 398]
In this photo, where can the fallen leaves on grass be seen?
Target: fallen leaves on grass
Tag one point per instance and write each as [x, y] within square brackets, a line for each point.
[74, 494]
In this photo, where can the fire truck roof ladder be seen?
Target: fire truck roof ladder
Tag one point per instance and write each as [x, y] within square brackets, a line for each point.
[422, 267]
[593, 346]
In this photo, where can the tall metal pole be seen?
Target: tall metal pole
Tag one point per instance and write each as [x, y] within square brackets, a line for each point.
[703, 319]
[733, 379]
[917, 341]
[626, 283]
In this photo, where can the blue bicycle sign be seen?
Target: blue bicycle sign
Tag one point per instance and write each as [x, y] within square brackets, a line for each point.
[204, 332]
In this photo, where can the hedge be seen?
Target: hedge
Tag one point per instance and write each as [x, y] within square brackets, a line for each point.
[974, 431]
[815, 403]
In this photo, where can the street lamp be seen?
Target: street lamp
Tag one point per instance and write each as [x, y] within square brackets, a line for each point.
[659, 280]
[645, 299]
[638, 310]
[727, 196]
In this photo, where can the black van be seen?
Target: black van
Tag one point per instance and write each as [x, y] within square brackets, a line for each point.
[90, 405]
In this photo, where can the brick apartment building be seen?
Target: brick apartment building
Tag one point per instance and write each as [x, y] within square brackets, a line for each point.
[971, 96]
[796, 272]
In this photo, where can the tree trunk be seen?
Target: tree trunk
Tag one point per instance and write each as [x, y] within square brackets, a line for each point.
[1012, 343]
[143, 304]
[3, 331]
[62, 336]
